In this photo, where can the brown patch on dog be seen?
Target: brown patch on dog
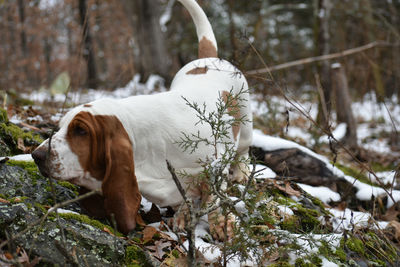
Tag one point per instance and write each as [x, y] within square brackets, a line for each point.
[198, 71]
[87, 106]
[105, 151]
[233, 110]
[207, 48]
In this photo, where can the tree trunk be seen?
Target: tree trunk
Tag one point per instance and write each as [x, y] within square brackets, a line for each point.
[323, 12]
[232, 31]
[343, 105]
[99, 36]
[395, 52]
[47, 48]
[151, 55]
[88, 50]
[21, 13]
[369, 21]
[24, 47]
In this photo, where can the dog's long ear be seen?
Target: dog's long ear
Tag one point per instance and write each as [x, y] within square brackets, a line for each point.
[120, 187]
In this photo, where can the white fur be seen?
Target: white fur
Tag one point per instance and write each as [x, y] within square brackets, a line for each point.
[64, 164]
[155, 123]
[203, 26]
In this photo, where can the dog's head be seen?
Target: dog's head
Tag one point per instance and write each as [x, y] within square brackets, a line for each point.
[94, 151]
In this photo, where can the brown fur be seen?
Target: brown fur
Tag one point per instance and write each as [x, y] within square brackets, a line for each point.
[207, 48]
[234, 111]
[104, 150]
[198, 71]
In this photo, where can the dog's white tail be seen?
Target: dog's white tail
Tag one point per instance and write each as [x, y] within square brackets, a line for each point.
[205, 34]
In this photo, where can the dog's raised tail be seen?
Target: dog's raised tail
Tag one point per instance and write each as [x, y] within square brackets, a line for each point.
[207, 42]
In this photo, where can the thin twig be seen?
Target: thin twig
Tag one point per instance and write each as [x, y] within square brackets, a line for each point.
[328, 132]
[309, 60]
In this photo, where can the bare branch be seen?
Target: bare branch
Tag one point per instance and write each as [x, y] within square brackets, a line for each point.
[309, 60]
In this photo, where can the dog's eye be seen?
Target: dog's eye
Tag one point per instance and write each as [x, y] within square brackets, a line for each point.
[78, 130]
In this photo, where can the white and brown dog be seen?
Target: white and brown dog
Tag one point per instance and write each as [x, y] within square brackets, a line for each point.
[120, 147]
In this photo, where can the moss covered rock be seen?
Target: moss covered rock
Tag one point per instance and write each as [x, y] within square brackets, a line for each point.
[14, 140]
[63, 240]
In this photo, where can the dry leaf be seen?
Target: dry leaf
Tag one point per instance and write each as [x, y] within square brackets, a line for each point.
[393, 229]
[23, 258]
[160, 245]
[287, 189]
[8, 255]
[148, 233]
[290, 191]
[105, 229]
[4, 201]
[171, 261]
[139, 220]
[20, 144]
[392, 213]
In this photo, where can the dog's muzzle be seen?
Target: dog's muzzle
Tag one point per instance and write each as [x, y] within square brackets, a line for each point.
[40, 158]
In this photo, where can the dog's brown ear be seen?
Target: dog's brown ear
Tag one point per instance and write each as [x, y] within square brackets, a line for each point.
[120, 188]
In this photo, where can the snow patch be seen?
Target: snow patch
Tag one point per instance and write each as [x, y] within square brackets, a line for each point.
[21, 157]
[323, 193]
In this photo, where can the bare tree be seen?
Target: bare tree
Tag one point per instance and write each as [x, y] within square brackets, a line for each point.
[151, 51]
[343, 104]
[88, 53]
[322, 13]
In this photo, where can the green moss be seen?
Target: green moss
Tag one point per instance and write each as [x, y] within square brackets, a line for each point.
[175, 253]
[290, 224]
[281, 264]
[17, 133]
[28, 166]
[40, 207]
[308, 219]
[70, 186]
[379, 167]
[285, 200]
[11, 133]
[302, 263]
[379, 249]
[359, 175]
[341, 254]
[86, 220]
[355, 245]
[3, 115]
[135, 257]
[17, 199]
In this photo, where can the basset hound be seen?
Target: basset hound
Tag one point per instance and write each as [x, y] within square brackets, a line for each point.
[120, 147]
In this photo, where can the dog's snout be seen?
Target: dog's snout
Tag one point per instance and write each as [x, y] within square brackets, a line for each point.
[40, 156]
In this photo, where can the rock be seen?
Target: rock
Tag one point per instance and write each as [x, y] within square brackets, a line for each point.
[301, 167]
[17, 182]
[66, 240]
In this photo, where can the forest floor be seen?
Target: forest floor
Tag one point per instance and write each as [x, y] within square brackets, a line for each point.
[370, 215]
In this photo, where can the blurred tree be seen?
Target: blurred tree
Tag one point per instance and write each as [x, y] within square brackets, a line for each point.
[88, 48]
[152, 55]
[323, 47]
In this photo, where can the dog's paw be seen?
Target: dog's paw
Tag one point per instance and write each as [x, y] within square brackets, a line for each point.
[221, 227]
[177, 222]
[240, 173]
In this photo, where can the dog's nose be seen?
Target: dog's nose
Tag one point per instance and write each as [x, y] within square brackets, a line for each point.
[40, 156]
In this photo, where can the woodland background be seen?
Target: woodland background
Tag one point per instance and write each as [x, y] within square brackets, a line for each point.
[319, 72]
[103, 44]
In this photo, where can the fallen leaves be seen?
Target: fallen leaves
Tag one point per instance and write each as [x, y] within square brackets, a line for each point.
[20, 257]
[288, 189]
[148, 233]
